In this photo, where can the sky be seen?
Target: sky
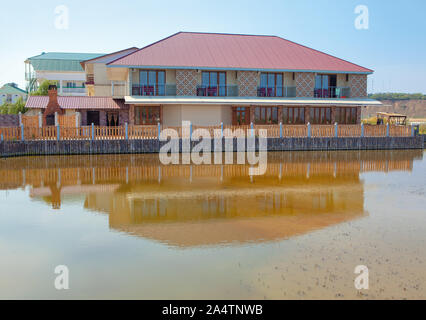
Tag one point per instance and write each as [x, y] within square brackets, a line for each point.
[393, 44]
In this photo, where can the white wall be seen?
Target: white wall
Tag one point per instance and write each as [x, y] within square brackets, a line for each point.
[202, 115]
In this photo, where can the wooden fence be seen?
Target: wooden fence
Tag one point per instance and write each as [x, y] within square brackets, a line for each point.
[152, 131]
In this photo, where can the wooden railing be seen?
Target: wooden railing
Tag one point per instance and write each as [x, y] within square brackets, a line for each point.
[152, 131]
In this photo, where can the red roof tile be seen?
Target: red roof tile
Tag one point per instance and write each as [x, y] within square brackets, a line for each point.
[76, 102]
[209, 50]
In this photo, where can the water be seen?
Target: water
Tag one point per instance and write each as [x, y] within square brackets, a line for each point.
[128, 227]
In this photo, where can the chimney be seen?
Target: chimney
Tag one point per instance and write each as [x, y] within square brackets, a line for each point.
[52, 106]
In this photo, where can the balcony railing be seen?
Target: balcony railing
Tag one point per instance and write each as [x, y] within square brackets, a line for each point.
[154, 90]
[217, 91]
[332, 92]
[276, 92]
[79, 89]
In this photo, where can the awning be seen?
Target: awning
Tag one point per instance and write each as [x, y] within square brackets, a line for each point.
[149, 100]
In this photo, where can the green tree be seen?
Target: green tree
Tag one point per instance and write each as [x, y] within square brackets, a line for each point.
[43, 88]
[13, 108]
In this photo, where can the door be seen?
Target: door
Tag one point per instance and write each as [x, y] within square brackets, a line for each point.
[93, 117]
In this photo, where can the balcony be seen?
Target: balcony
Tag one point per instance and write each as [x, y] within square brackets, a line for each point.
[284, 92]
[217, 91]
[332, 92]
[71, 90]
[154, 90]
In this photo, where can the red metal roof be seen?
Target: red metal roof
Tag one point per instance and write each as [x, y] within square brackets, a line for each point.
[251, 52]
[76, 102]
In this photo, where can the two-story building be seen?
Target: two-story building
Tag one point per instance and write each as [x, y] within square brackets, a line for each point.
[62, 68]
[237, 79]
[210, 78]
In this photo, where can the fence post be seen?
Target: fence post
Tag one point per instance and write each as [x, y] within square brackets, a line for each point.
[56, 119]
[412, 130]
[93, 131]
[281, 129]
[22, 132]
[387, 129]
[221, 129]
[336, 130]
[190, 131]
[40, 120]
[126, 127]
[309, 129]
[20, 118]
[362, 130]
[2, 138]
[159, 130]
[252, 129]
[58, 133]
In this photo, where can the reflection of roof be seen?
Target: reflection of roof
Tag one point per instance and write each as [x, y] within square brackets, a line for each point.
[237, 231]
[84, 102]
[60, 61]
[235, 51]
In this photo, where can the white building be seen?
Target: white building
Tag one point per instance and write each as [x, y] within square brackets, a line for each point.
[10, 93]
[64, 68]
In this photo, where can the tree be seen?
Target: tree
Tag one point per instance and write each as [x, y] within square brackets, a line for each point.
[43, 88]
[13, 108]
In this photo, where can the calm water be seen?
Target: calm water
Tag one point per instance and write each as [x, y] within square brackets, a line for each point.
[128, 227]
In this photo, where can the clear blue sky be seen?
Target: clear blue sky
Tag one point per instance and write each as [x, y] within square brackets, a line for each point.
[394, 45]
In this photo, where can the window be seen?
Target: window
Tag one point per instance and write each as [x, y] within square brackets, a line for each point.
[112, 119]
[266, 115]
[241, 116]
[152, 83]
[346, 115]
[320, 115]
[292, 115]
[271, 85]
[325, 86]
[147, 115]
[212, 84]
[71, 85]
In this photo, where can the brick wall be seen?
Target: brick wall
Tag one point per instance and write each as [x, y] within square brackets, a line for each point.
[247, 83]
[305, 83]
[358, 85]
[186, 82]
[9, 120]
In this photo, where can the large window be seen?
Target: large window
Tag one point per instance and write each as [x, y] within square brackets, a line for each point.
[325, 86]
[151, 83]
[346, 115]
[212, 84]
[266, 115]
[320, 115]
[271, 85]
[292, 115]
[147, 115]
[241, 116]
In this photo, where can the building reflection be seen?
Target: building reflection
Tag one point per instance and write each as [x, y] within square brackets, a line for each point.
[189, 205]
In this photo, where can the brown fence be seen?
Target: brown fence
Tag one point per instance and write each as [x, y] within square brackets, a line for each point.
[151, 131]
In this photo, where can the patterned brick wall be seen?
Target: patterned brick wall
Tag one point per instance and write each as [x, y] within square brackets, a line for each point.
[358, 85]
[247, 83]
[186, 82]
[305, 83]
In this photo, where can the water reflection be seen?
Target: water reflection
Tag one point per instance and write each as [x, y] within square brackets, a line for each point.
[186, 206]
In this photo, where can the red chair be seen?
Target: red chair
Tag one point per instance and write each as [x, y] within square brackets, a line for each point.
[212, 91]
[262, 92]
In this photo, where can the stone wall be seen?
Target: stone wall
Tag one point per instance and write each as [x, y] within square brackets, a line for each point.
[186, 82]
[25, 148]
[305, 83]
[247, 83]
[9, 120]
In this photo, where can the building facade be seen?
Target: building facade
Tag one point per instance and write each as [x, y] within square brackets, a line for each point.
[62, 68]
[10, 93]
[232, 79]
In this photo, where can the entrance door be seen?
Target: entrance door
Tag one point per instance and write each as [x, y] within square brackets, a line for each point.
[241, 116]
[93, 117]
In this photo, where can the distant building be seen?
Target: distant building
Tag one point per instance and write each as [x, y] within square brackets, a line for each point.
[10, 93]
[61, 67]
